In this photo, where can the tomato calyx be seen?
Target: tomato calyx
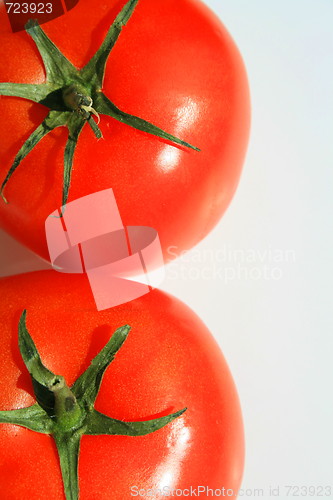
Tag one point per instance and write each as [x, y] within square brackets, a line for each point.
[68, 413]
[74, 95]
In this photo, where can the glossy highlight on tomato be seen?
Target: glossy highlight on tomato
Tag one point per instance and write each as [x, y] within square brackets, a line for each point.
[169, 361]
[174, 65]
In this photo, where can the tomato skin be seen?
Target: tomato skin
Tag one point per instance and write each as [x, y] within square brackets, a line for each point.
[169, 361]
[174, 65]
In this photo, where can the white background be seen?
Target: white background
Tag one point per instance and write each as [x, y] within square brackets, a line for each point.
[272, 318]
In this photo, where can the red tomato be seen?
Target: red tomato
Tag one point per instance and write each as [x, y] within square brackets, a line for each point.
[174, 65]
[169, 361]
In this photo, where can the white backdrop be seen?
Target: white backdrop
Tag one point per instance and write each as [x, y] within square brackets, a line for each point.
[262, 280]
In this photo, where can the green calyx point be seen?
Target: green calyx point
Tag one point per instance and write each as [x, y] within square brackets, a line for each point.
[74, 96]
[68, 413]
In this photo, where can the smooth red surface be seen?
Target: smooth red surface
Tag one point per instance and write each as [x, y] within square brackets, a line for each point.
[169, 361]
[174, 65]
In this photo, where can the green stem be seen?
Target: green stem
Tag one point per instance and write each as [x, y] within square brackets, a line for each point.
[75, 96]
[67, 412]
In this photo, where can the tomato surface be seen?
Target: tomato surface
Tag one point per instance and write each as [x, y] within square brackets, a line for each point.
[169, 361]
[174, 65]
